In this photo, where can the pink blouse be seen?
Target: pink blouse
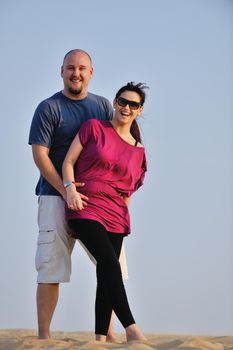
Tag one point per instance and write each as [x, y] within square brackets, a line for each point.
[109, 167]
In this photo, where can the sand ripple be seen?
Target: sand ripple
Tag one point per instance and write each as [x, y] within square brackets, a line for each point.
[20, 339]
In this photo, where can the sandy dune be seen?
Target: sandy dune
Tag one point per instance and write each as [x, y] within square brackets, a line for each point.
[18, 339]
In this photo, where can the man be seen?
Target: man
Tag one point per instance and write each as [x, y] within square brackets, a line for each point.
[55, 123]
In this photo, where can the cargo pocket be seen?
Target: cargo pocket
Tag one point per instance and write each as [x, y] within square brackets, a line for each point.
[45, 246]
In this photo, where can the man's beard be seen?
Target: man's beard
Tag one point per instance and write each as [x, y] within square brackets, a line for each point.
[75, 91]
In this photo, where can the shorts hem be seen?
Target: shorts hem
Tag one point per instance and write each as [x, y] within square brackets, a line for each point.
[52, 282]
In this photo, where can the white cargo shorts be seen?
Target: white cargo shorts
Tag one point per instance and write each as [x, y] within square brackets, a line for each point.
[55, 245]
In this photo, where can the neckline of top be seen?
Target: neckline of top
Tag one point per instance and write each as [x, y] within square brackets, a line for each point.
[71, 99]
[136, 147]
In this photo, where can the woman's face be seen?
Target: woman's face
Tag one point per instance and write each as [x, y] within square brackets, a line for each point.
[127, 107]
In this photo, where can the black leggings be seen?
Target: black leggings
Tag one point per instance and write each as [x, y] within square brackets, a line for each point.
[110, 293]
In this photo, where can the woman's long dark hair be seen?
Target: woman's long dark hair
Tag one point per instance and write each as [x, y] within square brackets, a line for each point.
[139, 89]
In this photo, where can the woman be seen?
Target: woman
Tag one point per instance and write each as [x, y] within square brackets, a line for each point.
[109, 158]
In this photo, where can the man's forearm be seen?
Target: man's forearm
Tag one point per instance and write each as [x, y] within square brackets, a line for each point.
[49, 172]
[51, 175]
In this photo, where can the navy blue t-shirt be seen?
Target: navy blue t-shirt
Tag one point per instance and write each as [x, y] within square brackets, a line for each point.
[55, 123]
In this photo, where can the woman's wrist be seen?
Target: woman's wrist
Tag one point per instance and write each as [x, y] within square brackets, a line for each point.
[67, 184]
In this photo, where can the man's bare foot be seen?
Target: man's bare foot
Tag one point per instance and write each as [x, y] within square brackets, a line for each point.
[133, 333]
[44, 336]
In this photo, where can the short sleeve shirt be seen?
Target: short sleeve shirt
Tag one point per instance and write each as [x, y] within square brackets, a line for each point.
[110, 168]
[55, 123]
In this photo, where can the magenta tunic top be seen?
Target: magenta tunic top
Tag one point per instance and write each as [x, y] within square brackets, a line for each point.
[110, 167]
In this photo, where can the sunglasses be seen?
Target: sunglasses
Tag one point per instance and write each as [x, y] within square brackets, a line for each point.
[132, 104]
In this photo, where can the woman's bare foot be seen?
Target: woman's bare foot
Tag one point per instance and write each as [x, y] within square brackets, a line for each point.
[134, 333]
[112, 339]
[101, 338]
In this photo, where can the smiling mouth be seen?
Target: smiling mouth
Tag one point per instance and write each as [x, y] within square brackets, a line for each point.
[125, 114]
[75, 81]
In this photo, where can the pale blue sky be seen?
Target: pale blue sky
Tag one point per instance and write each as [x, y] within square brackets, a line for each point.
[180, 253]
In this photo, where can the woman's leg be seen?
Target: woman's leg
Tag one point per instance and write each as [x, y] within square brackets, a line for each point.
[105, 248]
[103, 294]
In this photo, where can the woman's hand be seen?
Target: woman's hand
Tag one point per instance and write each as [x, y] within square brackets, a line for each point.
[126, 199]
[64, 192]
[74, 199]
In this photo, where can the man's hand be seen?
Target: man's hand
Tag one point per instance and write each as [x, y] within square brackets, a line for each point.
[79, 184]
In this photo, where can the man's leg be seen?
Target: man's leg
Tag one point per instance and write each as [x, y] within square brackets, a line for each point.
[47, 297]
[123, 263]
[110, 335]
[53, 259]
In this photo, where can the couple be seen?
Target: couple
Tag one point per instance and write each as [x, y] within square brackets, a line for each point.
[107, 160]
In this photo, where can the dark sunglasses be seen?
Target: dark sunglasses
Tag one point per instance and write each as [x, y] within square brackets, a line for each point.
[132, 104]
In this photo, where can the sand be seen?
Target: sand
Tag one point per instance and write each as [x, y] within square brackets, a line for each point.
[18, 339]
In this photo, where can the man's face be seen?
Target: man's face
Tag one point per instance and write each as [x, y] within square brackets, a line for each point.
[76, 73]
